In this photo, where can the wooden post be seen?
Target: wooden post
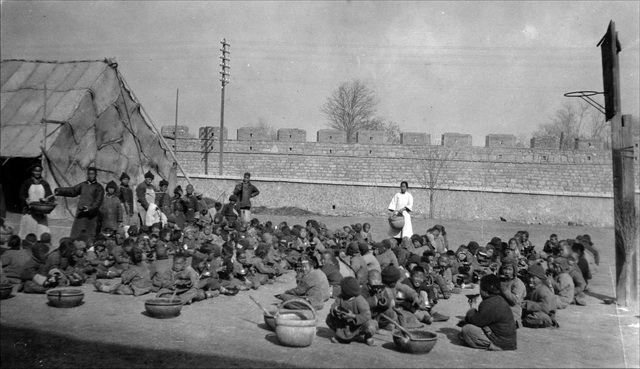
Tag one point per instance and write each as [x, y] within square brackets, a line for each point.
[623, 166]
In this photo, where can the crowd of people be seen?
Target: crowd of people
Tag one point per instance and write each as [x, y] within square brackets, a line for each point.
[178, 246]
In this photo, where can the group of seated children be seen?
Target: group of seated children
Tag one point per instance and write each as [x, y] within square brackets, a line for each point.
[375, 285]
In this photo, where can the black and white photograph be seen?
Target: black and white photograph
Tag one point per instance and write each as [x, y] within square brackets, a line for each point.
[321, 184]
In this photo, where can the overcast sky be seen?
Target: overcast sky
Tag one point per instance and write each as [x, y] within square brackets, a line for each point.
[469, 67]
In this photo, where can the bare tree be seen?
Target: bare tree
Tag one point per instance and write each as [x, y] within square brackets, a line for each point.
[351, 108]
[270, 132]
[575, 120]
[391, 129]
[434, 171]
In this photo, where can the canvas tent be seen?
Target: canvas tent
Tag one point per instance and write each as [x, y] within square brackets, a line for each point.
[89, 118]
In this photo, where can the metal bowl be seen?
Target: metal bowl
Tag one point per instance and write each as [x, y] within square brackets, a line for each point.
[42, 207]
[163, 308]
[5, 291]
[422, 342]
[65, 298]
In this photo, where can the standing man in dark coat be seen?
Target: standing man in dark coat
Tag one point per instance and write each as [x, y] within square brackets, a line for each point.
[163, 199]
[91, 195]
[245, 190]
[125, 193]
[146, 194]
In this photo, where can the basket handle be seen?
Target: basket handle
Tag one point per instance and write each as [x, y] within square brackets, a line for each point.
[315, 316]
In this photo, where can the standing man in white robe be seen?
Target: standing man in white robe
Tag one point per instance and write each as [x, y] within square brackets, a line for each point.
[401, 204]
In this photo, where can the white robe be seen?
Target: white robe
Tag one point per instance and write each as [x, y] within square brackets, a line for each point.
[399, 201]
[34, 223]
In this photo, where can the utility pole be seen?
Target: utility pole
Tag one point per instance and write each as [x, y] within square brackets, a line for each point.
[175, 129]
[224, 71]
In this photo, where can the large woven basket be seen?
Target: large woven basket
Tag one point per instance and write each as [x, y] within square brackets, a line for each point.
[293, 330]
[396, 221]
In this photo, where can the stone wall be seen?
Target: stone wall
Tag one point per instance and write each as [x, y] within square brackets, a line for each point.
[497, 140]
[347, 199]
[371, 137]
[415, 138]
[527, 184]
[456, 140]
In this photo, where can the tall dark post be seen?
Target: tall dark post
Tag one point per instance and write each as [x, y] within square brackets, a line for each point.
[623, 166]
[224, 71]
[175, 129]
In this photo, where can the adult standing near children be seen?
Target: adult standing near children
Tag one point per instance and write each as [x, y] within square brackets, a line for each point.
[146, 194]
[401, 205]
[34, 189]
[245, 190]
[91, 195]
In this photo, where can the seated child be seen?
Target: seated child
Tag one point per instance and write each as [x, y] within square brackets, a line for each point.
[184, 281]
[561, 282]
[160, 269]
[491, 326]
[512, 288]
[350, 316]
[427, 297]
[136, 280]
[539, 307]
[14, 259]
[102, 261]
[579, 283]
[380, 302]
[35, 276]
[313, 286]
[122, 254]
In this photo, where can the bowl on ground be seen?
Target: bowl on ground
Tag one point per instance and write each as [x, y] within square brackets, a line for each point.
[421, 342]
[163, 308]
[65, 297]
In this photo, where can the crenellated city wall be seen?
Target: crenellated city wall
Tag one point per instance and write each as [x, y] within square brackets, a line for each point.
[540, 184]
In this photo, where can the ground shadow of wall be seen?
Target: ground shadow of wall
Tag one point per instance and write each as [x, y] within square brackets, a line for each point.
[29, 348]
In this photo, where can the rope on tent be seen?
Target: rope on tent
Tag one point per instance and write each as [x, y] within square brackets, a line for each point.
[148, 118]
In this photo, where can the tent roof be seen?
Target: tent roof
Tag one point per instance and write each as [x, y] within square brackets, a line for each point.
[22, 99]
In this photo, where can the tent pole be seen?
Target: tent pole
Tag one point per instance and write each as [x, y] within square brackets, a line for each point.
[155, 129]
[44, 122]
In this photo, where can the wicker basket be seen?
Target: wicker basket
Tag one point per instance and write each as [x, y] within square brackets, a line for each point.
[396, 221]
[294, 331]
[42, 207]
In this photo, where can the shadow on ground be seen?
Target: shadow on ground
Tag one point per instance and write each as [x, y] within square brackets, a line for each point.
[27, 348]
[599, 295]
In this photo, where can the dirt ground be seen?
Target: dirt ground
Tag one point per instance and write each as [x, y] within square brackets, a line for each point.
[113, 331]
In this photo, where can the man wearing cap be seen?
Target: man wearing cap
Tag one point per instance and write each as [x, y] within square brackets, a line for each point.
[539, 307]
[178, 207]
[90, 195]
[111, 211]
[33, 190]
[163, 199]
[125, 193]
[245, 190]
[193, 207]
[229, 211]
[146, 194]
